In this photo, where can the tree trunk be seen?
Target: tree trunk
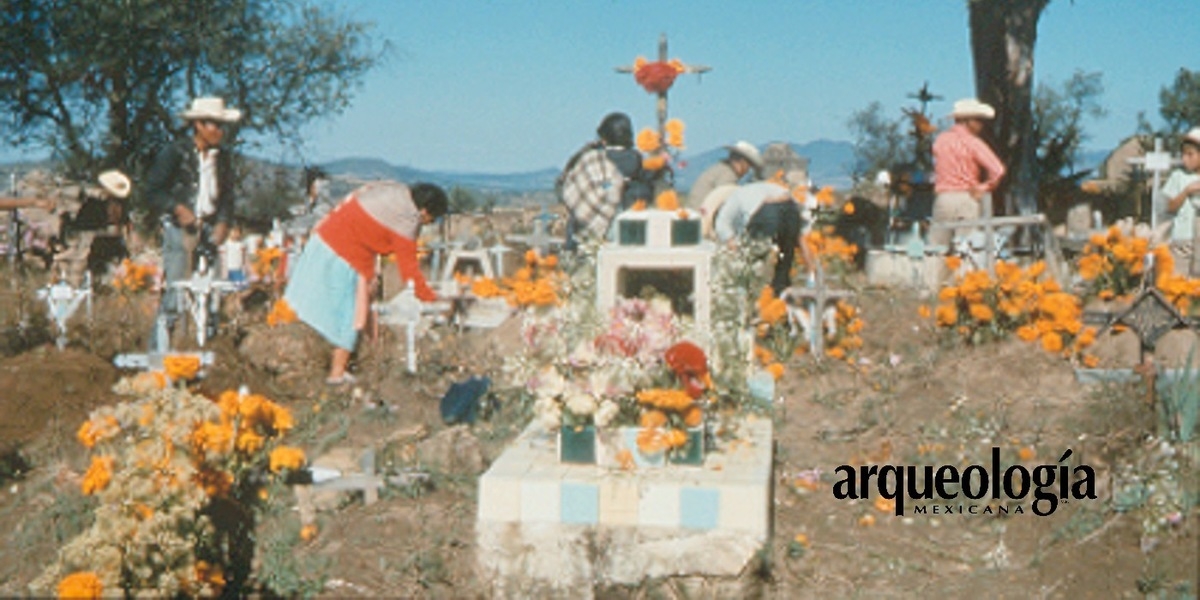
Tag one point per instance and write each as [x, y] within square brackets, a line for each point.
[1003, 35]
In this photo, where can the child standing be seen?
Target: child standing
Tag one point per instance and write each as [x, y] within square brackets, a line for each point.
[1181, 193]
[233, 257]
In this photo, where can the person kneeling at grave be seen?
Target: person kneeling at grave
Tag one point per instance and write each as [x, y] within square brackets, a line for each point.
[601, 179]
[1181, 195]
[763, 209]
[329, 288]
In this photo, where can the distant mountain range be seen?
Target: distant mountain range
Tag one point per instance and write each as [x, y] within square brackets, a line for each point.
[829, 164]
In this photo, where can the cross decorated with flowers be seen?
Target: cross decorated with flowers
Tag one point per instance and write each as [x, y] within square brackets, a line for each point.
[657, 78]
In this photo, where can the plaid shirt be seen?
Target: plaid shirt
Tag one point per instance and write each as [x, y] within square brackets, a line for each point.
[591, 188]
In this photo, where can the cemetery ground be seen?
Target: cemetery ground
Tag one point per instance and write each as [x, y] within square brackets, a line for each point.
[910, 397]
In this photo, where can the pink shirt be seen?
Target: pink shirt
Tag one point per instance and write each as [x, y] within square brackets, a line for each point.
[958, 159]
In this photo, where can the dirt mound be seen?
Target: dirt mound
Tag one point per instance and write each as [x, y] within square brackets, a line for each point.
[287, 348]
[48, 393]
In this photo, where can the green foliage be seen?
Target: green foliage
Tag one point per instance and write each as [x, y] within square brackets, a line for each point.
[879, 143]
[101, 83]
[1179, 404]
[462, 201]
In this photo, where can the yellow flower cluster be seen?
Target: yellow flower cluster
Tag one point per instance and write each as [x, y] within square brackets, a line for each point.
[131, 277]
[674, 129]
[281, 313]
[657, 435]
[266, 261]
[1113, 263]
[83, 585]
[846, 338]
[536, 284]
[649, 141]
[667, 200]
[157, 465]
[774, 339]
[183, 367]
[980, 307]
[834, 253]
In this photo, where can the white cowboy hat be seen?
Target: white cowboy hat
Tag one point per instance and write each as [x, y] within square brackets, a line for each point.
[211, 108]
[115, 183]
[1192, 136]
[971, 108]
[748, 151]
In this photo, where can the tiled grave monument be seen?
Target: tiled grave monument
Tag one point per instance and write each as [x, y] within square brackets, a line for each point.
[547, 527]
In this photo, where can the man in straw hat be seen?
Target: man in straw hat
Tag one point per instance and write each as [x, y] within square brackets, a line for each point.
[966, 170]
[190, 187]
[743, 157]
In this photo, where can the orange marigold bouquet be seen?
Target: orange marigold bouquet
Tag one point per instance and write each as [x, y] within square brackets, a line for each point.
[160, 465]
[281, 313]
[535, 285]
[979, 308]
[1113, 264]
[130, 277]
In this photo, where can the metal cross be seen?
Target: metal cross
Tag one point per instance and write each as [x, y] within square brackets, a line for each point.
[924, 96]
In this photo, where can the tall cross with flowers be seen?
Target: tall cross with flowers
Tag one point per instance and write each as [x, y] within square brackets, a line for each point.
[657, 77]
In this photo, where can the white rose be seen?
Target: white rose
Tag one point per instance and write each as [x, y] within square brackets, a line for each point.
[581, 403]
[549, 383]
[606, 413]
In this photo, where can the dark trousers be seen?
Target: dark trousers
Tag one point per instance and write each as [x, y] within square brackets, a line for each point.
[779, 221]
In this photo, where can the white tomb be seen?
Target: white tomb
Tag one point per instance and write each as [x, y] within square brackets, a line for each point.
[662, 249]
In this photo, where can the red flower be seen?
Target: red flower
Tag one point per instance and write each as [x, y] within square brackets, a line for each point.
[690, 365]
[656, 77]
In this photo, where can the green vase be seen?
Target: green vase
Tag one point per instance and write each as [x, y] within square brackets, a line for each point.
[577, 445]
[691, 453]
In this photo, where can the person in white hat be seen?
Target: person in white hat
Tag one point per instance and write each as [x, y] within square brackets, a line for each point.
[1181, 198]
[743, 157]
[966, 170]
[190, 187]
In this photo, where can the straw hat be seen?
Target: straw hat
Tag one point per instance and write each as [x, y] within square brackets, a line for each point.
[211, 108]
[748, 151]
[970, 108]
[115, 183]
[1192, 136]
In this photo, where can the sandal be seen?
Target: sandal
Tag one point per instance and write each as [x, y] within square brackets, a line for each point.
[344, 379]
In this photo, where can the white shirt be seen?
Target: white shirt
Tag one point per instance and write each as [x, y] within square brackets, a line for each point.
[735, 213]
[1183, 222]
[206, 195]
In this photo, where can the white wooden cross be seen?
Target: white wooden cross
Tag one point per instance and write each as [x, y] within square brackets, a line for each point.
[404, 309]
[153, 360]
[63, 300]
[1157, 162]
[815, 315]
[540, 239]
[662, 96]
[366, 480]
[199, 293]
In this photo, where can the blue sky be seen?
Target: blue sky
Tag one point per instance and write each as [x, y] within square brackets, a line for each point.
[504, 86]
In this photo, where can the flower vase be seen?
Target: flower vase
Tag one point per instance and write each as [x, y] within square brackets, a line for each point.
[577, 444]
[691, 453]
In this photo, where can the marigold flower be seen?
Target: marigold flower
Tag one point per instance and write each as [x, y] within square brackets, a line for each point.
[80, 585]
[281, 314]
[648, 141]
[98, 475]
[1052, 342]
[886, 505]
[848, 208]
[654, 162]
[653, 418]
[676, 438]
[667, 201]
[638, 206]
[1091, 361]
[210, 574]
[181, 367]
[924, 311]
[675, 129]
[981, 313]
[286, 457]
[775, 369]
[249, 442]
[531, 257]
[1027, 453]
[214, 482]
[693, 416]
[308, 533]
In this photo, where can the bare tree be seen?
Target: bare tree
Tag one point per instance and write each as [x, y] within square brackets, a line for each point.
[1003, 35]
